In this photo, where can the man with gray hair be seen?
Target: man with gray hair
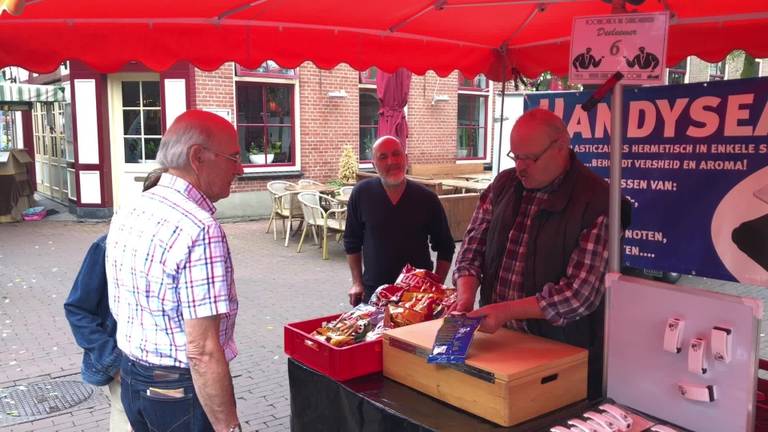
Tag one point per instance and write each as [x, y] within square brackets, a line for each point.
[171, 284]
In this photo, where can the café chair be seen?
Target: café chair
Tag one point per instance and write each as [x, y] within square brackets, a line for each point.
[284, 207]
[316, 217]
[346, 191]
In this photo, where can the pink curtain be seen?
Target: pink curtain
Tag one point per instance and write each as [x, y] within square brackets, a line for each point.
[392, 91]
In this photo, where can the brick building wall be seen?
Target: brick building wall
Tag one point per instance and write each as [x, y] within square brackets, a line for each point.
[432, 127]
[325, 124]
[698, 70]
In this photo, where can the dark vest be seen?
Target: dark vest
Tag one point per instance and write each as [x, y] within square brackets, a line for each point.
[580, 199]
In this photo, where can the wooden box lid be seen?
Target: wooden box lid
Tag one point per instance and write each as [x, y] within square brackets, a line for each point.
[507, 354]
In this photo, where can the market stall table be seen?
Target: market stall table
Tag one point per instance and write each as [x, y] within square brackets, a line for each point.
[375, 403]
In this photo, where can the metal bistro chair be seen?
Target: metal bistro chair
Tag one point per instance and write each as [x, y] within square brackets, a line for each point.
[316, 216]
[284, 207]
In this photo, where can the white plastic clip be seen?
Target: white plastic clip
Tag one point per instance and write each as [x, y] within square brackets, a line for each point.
[602, 420]
[699, 393]
[622, 419]
[673, 335]
[581, 424]
[662, 428]
[697, 361]
[721, 344]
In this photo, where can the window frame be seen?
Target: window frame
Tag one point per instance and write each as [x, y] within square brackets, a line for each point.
[241, 71]
[476, 91]
[285, 80]
[365, 88]
[141, 108]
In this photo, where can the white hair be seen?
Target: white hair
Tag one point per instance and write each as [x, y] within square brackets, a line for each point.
[190, 128]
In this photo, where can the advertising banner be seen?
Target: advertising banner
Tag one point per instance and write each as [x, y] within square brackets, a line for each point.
[695, 166]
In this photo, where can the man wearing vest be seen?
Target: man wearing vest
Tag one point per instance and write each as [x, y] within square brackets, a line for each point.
[537, 244]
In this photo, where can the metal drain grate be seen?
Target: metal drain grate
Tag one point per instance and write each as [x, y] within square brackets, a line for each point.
[41, 399]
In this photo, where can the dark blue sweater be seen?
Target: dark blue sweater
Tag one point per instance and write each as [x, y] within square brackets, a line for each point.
[392, 235]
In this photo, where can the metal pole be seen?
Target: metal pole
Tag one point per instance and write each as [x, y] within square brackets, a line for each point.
[614, 194]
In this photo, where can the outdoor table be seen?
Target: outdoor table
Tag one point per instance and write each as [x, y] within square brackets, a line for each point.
[376, 403]
[478, 176]
[323, 189]
[466, 185]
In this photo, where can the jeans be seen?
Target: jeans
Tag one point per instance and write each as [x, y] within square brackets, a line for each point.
[161, 399]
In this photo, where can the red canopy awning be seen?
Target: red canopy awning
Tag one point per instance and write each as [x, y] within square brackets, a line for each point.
[442, 36]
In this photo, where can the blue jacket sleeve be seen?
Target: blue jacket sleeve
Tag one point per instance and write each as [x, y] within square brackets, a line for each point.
[87, 311]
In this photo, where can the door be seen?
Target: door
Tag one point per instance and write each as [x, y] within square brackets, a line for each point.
[51, 150]
[135, 131]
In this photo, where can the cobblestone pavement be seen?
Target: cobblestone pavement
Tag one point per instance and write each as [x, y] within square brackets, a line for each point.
[39, 260]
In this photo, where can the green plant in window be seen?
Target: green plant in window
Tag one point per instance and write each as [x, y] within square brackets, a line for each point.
[276, 147]
[348, 165]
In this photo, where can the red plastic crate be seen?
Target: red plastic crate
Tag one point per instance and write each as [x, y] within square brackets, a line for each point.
[340, 364]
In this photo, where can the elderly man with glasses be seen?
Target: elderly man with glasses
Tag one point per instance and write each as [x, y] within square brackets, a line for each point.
[171, 284]
[537, 244]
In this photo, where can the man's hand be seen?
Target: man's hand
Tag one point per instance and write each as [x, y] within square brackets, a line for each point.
[463, 303]
[466, 288]
[494, 316]
[356, 294]
[117, 376]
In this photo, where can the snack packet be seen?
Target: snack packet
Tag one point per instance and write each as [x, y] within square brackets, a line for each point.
[386, 294]
[351, 327]
[453, 339]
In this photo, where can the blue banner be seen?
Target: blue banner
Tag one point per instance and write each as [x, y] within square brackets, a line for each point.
[695, 166]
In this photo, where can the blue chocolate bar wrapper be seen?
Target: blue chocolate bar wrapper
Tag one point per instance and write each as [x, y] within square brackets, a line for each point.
[453, 339]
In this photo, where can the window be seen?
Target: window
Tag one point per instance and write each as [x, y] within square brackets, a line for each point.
[676, 74]
[265, 123]
[369, 114]
[717, 71]
[266, 70]
[472, 116]
[369, 76]
[141, 120]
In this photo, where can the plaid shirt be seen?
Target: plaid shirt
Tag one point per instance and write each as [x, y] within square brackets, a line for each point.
[167, 261]
[576, 294]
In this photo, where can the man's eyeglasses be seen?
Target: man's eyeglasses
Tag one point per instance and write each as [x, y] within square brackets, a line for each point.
[532, 158]
[233, 158]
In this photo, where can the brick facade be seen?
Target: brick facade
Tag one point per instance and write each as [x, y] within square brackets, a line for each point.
[325, 125]
[432, 126]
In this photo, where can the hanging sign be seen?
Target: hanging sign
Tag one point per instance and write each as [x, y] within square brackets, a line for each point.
[634, 44]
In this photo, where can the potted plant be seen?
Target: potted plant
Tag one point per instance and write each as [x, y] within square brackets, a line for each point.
[256, 155]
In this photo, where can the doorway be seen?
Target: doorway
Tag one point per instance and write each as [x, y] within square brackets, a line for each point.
[54, 152]
[135, 131]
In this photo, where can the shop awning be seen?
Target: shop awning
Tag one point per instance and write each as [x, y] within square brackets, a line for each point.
[30, 93]
[473, 36]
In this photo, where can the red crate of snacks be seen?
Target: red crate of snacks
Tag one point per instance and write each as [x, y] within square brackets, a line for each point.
[340, 364]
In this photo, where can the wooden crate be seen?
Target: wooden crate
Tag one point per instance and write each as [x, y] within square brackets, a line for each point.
[509, 377]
